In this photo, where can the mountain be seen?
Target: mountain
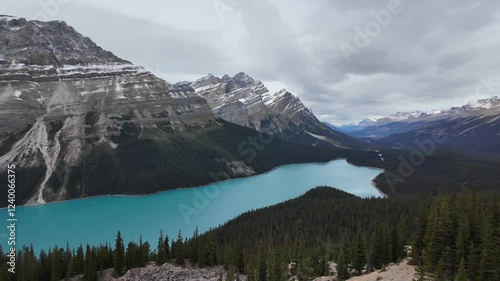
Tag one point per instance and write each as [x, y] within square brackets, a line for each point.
[476, 131]
[474, 127]
[79, 121]
[349, 128]
[247, 102]
[402, 122]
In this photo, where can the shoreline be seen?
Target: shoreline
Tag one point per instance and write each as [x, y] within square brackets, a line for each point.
[210, 184]
[378, 189]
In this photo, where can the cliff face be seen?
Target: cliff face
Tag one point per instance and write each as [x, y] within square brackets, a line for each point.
[78, 121]
[247, 102]
[61, 95]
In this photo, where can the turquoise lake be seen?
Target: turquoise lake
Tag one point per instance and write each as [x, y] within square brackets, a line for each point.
[96, 220]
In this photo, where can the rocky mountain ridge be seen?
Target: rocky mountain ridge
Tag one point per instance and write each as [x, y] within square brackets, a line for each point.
[61, 96]
[247, 102]
[78, 121]
[405, 121]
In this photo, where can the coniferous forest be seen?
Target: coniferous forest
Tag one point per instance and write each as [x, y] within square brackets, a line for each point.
[456, 236]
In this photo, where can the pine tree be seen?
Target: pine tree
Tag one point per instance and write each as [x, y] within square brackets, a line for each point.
[360, 252]
[438, 235]
[463, 235]
[250, 270]
[179, 249]
[439, 273]
[271, 262]
[230, 275]
[487, 268]
[462, 272]
[342, 267]
[90, 266]
[119, 256]
[55, 271]
[195, 247]
[376, 253]
[161, 254]
[473, 262]
[69, 271]
[79, 260]
[397, 245]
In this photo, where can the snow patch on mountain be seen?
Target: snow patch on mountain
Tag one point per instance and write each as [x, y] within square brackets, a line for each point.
[247, 102]
[484, 104]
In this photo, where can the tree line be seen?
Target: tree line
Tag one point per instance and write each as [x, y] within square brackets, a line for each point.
[452, 237]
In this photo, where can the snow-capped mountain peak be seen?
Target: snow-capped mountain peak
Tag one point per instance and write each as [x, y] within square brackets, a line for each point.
[405, 115]
[243, 79]
[245, 101]
[485, 103]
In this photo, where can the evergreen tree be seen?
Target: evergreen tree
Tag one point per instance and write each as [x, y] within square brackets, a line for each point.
[231, 272]
[462, 272]
[360, 252]
[119, 256]
[397, 245]
[342, 267]
[90, 266]
[55, 271]
[161, 253]
[79, 260]
[473, 262]
[179, 249]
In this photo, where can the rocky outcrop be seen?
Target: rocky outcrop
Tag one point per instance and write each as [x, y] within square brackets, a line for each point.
[247, 102]
[173, 273]
[167, 272]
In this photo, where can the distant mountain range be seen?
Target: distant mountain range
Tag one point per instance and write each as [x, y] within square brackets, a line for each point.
[472, 127]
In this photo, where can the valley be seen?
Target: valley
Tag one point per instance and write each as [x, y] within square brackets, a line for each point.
[122, 174]
[181, 209]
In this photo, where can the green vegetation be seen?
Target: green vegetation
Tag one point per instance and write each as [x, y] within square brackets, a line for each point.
[459, 237]
[443, 171]
[455, 237]
[147, 165]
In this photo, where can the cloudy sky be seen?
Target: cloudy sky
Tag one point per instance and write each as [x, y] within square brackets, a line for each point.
[346, 60]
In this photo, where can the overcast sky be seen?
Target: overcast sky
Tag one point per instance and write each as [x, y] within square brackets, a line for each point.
[416, 55]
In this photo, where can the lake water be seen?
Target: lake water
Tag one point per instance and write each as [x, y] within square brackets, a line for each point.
[96, 220]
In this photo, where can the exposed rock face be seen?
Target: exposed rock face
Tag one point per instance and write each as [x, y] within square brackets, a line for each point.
[237, 100]
[170, 272]
[59, 90]
[247, 102]
[167, 272]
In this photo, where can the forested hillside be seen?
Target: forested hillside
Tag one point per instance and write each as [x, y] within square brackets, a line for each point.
[455, 237]
[458, 237]
[434, 173]
[161, 159]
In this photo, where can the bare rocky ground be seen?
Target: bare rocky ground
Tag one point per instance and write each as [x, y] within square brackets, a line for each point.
[167, 272]
[398, 272]
[172, 273]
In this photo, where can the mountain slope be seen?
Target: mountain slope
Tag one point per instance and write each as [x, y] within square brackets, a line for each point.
[402, 122]
[79, 121]
[478, 133]
[247, 102]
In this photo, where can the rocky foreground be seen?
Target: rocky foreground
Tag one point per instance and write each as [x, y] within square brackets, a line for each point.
[167, 272]
[172, 273]
[396, 272]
